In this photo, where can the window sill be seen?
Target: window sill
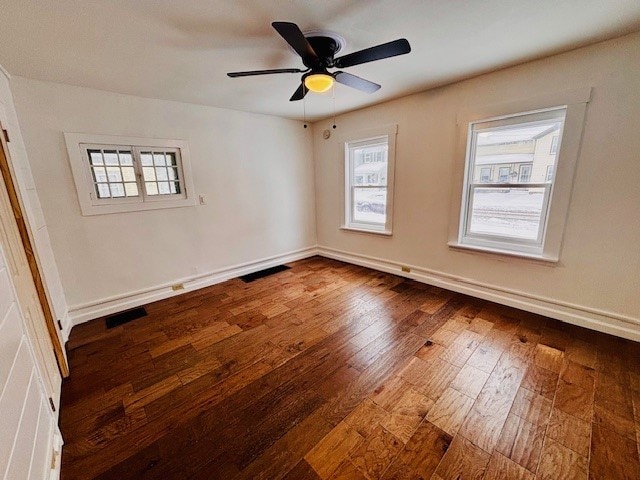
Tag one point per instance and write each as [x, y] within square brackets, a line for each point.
[386, 233]
[547, 259]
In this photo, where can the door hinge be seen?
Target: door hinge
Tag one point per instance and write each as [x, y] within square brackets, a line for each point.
[53, 407]
[6, 135]
[59, 324]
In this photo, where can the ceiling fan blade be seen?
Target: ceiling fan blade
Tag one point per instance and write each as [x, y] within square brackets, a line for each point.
[356, 82]
[294, 37]
[386, 50]
[264, 72]
[299, 93]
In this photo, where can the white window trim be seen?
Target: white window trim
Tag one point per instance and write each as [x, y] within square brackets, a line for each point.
[389, 131]
[76, 142]
[575, 101]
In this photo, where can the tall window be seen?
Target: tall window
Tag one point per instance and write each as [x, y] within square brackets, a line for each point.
[511, 214]
[368, 183]
[121, 174]
[503, 174]
[485, 174]
[524, 173]
[549, 175]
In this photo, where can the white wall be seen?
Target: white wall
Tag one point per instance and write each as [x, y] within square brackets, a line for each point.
[256, 172]
[31, 205]
[597, 280]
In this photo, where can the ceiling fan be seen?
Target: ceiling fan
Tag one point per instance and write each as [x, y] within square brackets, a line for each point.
[317, 52]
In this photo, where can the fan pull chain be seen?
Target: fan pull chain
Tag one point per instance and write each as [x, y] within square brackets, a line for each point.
[304, 107]
[333, 91]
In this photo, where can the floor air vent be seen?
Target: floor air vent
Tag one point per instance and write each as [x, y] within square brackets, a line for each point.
[125, 317]
[263, 273]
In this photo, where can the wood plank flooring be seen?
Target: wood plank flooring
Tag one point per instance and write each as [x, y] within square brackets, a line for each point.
[333, 371]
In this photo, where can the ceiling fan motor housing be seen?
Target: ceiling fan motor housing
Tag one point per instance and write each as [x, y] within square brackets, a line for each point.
[326, 46]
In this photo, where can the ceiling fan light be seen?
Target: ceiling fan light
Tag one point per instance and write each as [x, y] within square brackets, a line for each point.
[318, 82]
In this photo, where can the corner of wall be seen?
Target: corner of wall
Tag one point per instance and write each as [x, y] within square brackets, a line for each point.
[5, 73]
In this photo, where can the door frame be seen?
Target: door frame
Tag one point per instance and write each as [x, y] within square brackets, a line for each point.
[27, 245]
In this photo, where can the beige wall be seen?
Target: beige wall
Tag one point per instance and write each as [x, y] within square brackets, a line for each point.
[256, 172]
[599, 267]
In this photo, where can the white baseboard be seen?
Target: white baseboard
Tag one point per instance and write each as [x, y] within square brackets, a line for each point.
[67, 325]
[56, 452]
[83, 313]
[599, 320]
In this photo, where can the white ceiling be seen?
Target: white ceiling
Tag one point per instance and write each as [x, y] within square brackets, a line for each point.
[181, 50]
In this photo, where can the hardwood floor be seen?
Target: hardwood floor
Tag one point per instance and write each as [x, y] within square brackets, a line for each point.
[334, 371]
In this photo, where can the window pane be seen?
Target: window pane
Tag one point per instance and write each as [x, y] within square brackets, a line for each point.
[131, 189]
[161, 173]
[99, 174]
[510, 212]
[129, 174]
[370, 205]
[149, 173]
[117, 189]
[171, 158]
[146, 158]
[158, 159]
[163, 188]
[103, 190]
[110, 157]
[173, 173]
[114, 175]
[370, 165]
[126, 158]
[151, 187]
[175, 187]
[95, 157]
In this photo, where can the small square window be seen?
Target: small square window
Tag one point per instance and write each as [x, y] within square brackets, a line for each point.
[128, 176]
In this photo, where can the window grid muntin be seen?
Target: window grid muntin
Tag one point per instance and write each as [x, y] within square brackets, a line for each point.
[138, 183]
[507, 122]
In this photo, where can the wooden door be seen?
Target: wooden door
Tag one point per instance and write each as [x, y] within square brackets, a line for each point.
[25, 275]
